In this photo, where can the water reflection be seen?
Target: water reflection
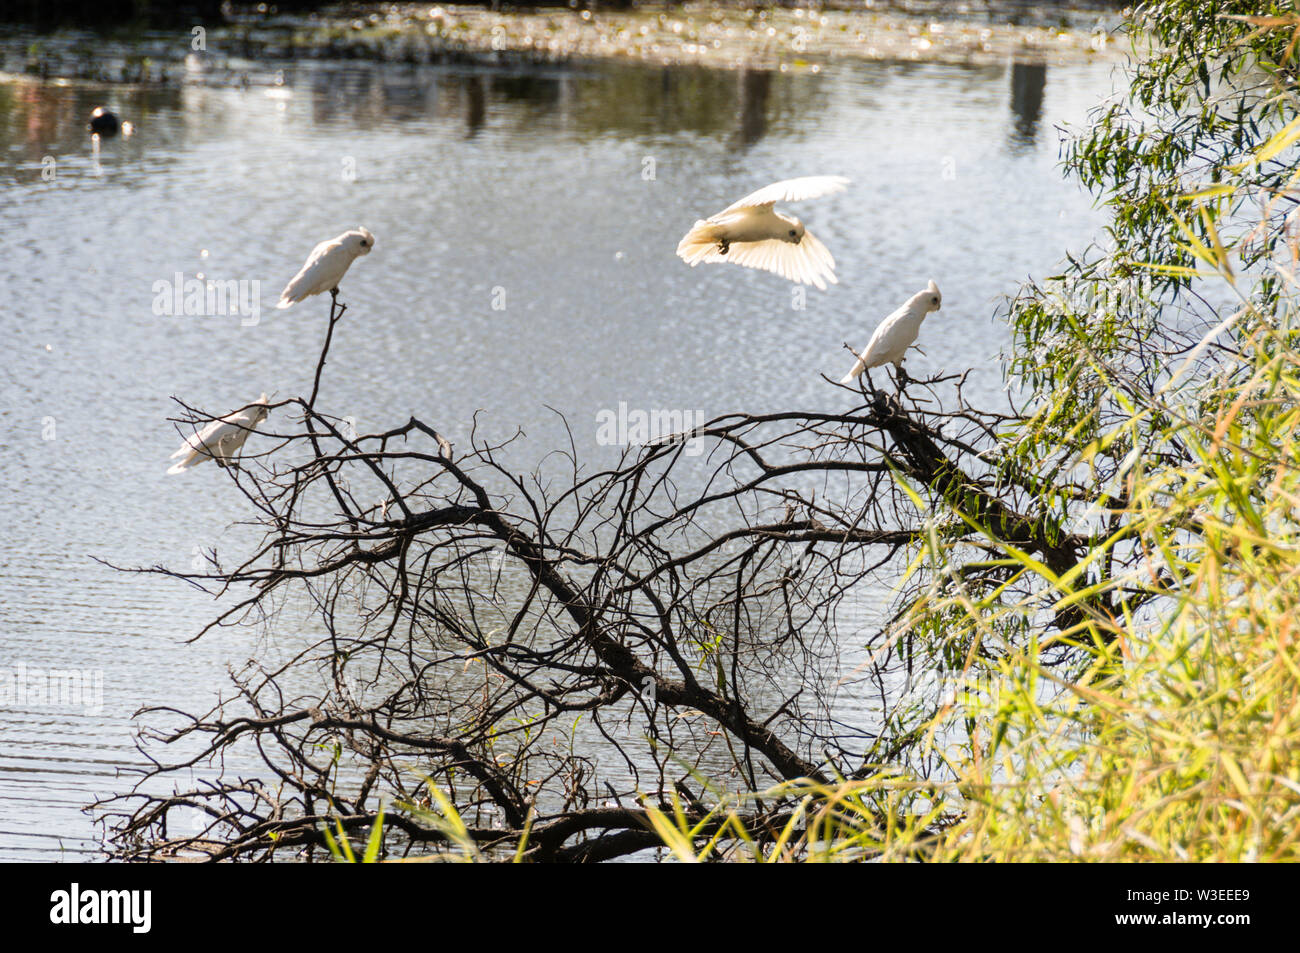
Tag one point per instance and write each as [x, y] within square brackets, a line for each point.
[38, 119]
[476, 97]
[1028, 80]
[755, 90]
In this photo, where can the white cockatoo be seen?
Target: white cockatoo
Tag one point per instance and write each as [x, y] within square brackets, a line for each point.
[897, 333]
[221, 439]
[326, 266]
[752, 233]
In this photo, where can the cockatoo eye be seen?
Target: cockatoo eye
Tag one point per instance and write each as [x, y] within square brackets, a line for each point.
[364, 243]
[792, 233]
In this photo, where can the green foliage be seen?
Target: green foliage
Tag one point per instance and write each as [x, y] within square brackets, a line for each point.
[1175, 163]
[340, 847]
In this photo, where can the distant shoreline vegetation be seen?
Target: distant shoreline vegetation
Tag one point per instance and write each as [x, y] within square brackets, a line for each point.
[168, 12]
[73, 39]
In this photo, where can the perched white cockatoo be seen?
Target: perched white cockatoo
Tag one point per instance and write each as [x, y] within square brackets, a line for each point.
[221, 439]
[326, 266]
[752, 233]
[897, 333]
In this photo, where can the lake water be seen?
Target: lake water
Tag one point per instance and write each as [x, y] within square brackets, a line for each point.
[556, 196]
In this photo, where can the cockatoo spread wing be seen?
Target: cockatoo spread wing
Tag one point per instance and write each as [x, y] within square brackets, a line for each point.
[808, 262]
[792, 190]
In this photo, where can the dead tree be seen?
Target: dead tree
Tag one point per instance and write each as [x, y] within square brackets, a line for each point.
[553, 648]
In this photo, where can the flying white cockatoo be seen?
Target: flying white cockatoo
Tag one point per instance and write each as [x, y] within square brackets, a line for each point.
[326, 266]
[752, 233]
[221, 439]
[897, 333]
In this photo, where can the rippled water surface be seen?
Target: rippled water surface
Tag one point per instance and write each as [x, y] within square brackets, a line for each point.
[559, 194]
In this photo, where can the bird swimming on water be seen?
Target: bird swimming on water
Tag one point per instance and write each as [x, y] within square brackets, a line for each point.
[897, 333]
[103, 122]
[753, 234]
[326, 265]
